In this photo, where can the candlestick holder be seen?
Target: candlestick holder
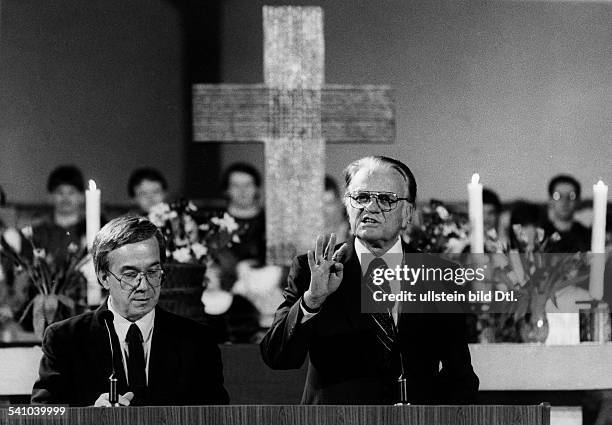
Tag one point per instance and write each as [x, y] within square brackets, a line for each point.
[595, 325]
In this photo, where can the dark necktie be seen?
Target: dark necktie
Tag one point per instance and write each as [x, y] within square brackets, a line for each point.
[385, 326]
[136, 362]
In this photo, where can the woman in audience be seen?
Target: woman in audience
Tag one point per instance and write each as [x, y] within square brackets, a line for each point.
[234, 318]
[242, 187]
[147, 187]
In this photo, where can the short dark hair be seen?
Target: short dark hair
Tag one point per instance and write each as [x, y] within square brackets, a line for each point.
[122, 231]
[146, 173]
[564, 178]
[373, 162]
[66, 174]
[489, 197]
[240, 167]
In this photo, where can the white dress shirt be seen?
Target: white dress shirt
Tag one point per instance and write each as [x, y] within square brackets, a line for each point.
[391, 258]
[122, 325]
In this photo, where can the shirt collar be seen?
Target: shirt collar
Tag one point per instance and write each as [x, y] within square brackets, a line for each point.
[122, 325]
[361, 249]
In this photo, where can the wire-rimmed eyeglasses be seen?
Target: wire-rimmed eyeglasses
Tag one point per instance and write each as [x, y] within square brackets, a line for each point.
[131, 279]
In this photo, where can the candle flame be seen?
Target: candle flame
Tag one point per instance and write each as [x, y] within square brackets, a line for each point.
[475, 178]
[600, 183]
[92, 185]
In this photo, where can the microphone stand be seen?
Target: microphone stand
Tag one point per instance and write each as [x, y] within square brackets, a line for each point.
[113, 397]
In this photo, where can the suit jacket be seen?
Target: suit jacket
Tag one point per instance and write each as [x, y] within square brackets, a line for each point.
[184, 366]
[345, 359]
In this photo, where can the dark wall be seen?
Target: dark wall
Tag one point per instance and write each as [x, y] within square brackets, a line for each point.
[517, 91]
[98, 83]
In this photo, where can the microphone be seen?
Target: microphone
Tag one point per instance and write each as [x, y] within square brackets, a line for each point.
[107, 317]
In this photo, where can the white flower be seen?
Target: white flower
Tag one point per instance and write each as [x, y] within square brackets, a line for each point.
[236, 239]
[12, 238]
[182, 255]
[158, 214]
[27, 232]
[442, 212]
[227, 222]
[199, 250]
[39, 253]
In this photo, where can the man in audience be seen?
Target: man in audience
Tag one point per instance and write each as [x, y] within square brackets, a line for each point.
[158, 358]
[147, 187]
[564, 194]
[491, 206]
[355, 357]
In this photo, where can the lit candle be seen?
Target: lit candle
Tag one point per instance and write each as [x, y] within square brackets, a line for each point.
[598, 240]
[92, 212]
[476, 215]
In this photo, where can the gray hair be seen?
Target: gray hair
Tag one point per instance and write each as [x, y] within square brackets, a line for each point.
[383, 162]
[122, 231]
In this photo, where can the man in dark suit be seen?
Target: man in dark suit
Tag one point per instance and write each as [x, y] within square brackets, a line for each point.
[355, 357]
[158, 358]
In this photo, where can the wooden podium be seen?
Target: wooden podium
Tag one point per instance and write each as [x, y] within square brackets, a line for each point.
[295, 415]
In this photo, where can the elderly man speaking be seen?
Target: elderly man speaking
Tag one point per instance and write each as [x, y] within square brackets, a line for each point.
[158, 358]
[355, 357]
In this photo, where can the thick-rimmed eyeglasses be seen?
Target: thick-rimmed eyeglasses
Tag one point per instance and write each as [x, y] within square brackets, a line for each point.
[131, 279]
[571, 196]
[387, 201]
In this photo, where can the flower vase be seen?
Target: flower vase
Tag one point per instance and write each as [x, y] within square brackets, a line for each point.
[50, 308]
[534, 326]
[44, 311]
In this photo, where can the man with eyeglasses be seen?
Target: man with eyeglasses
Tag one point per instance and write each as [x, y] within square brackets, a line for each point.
[158, 358]
[357, 357]
[564, 193]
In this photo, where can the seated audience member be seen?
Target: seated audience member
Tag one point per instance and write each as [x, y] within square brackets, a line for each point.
[159, 358]
[491, 206]
[335, 219]
[147, 187]
[234, 318]
[241, 184]
[564, 194]
[11, 299]
[66, 224]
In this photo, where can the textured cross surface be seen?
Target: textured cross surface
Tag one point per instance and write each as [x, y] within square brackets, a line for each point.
[294, 114]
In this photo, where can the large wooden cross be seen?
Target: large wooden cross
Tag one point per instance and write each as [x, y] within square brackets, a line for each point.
[294, 114]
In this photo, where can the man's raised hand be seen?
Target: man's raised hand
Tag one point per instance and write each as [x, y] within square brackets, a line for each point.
[326, 271]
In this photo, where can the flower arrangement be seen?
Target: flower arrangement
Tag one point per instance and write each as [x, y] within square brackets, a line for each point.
[439, 231]
[188, 241]
[58, 280]
[535, 272]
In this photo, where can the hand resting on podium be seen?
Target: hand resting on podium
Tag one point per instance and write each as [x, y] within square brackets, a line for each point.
[124, 400]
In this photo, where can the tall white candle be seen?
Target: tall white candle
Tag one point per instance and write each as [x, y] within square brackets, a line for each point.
[598, 240]
[92, 212]
[476, 215]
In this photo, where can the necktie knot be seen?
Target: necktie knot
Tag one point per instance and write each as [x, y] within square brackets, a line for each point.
[134, 334]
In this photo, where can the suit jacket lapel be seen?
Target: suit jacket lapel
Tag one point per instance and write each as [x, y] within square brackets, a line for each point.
[163, 361]
[349, 291]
